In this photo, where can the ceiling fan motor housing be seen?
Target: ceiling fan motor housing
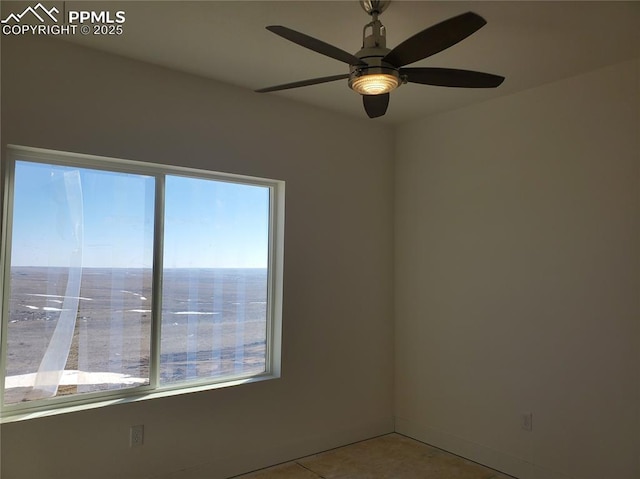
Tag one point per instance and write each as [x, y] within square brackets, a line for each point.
[375, 67]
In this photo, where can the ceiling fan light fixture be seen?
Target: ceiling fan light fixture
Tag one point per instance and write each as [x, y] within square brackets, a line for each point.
[375, 83]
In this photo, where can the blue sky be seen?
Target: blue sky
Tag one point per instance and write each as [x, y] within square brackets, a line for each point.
[215, 223]
[61, 213]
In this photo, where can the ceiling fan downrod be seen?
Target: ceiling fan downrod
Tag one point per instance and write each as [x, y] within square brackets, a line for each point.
[377, 38]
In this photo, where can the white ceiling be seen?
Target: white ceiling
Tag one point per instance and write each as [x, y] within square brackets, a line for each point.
[530, 43]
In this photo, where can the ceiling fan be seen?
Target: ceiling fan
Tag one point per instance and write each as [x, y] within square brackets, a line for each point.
[376, 70]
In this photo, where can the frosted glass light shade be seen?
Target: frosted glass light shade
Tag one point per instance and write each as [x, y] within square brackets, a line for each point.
[375, 84]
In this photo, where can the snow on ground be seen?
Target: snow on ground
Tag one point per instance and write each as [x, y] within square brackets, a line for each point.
[73, 377]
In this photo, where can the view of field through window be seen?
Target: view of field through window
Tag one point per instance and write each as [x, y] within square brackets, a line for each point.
[80, 306]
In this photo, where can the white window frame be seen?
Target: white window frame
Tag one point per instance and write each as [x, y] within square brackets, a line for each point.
[82, 401]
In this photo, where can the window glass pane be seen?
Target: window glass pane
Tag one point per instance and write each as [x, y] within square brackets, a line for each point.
[216, 250]
[79, 309]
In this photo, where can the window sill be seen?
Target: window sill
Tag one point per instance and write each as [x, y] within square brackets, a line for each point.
[23, 415]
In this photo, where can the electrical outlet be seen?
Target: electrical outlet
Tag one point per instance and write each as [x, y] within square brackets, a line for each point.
[526, 421]
[136, 436]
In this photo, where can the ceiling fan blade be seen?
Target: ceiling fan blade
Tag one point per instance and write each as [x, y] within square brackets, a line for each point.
[315, 45]
[375, 105]
[435, 39]
[451, 77]
[313, 81]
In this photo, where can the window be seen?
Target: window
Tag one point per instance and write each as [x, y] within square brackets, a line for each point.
[127, 279]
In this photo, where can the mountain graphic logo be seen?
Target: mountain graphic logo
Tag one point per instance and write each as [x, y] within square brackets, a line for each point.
[39, 11]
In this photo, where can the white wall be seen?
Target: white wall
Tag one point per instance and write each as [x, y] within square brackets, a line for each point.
[337, 378]
[517, 263]
[518, 279]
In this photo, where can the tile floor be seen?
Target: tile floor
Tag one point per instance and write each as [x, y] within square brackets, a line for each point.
[392, 456]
